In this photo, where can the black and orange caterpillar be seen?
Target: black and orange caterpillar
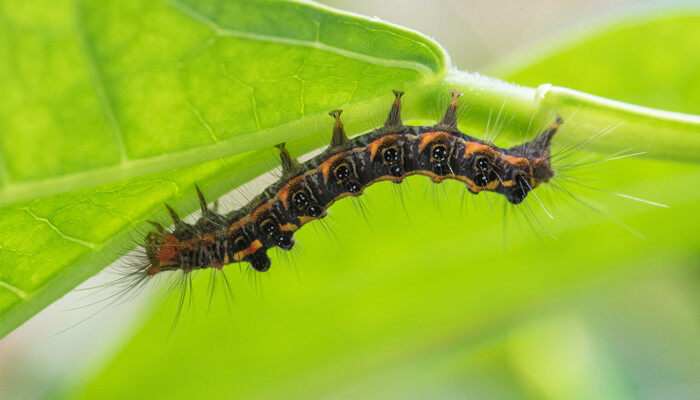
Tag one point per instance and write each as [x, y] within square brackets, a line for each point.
[305, 190]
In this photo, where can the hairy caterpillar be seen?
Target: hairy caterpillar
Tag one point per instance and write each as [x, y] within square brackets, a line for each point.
[305, 190]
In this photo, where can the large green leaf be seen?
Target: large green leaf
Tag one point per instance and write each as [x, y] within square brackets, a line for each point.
[406, 288]
[97, 91]
[94, 91]
[103, 90]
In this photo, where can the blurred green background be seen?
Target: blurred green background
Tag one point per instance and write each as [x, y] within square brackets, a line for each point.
[433, 292]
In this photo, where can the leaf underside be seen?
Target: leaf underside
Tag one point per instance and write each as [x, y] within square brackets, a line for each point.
[119, 89]
[180, 82]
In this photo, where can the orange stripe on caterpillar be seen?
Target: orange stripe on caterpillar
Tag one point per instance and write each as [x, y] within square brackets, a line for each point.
[325, 167]
[474, 147]
[255, 246]
[375, 145]
[283, 194]
[289, 227]
[248, 218]
[430, 137]
[259, 210]
[519, 161]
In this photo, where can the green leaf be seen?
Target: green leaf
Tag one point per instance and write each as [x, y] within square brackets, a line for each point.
[377, 299]
[104, 90]
[48, 246]
[95, 91]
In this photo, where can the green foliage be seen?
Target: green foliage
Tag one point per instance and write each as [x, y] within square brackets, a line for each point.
[119, 89]
[410, 295]
[181, 88]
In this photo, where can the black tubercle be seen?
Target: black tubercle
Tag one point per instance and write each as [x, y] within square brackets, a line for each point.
[290, 166]
[339, 138]
[449, 121]
[346, 168]
[393, 121]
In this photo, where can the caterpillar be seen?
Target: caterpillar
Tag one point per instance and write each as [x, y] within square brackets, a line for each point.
[348, 166]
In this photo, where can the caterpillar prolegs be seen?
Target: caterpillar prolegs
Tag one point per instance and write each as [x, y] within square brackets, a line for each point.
[348, 166]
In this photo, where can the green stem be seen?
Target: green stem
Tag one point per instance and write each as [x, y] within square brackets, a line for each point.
[606, 125]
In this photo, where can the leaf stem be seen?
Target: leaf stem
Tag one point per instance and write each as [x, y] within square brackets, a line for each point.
[494, 107]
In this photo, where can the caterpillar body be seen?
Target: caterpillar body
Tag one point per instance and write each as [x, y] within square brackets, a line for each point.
[305, 190]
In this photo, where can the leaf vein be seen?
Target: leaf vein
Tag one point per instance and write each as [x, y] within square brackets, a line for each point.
[202, 121]
[14, 289]
[55, 229]
[98, 81]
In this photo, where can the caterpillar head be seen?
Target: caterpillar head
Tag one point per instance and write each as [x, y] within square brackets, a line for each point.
[161, 250]
[530, 164]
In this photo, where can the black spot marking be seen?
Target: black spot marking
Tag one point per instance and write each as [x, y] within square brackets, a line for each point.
[342, 172]
[391, 155]
[354, 187]
[314, 210]
[439, 152]
[480, 179]
[268, 227]
[240, 243]
[285, 241]
[301, 199]
[441, 169]
[483, 171]
[396, 171]
[482, 163]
